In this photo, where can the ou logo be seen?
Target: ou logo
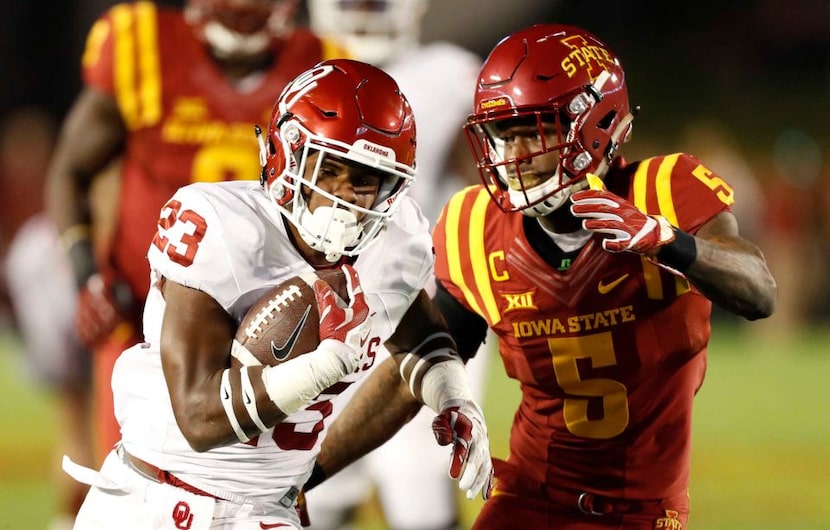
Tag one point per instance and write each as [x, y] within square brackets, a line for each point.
[305, 82]
[182, 517]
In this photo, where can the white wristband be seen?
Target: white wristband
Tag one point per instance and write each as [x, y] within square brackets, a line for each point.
[292, 384]
[226, 395]
[249, 400]
[444, 382]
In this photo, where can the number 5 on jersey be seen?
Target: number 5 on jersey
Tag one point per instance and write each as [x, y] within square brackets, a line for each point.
[610, 394]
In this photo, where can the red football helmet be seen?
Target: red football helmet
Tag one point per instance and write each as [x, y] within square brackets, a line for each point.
[352, 111]
[564, 80]
[234, 28]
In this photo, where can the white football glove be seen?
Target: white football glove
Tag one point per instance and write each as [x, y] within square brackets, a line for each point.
[461, 423]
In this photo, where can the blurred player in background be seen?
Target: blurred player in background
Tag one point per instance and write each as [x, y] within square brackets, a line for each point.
[209, 444]
[598, 276]
[38, 282]
[174, 93]
[437, 79]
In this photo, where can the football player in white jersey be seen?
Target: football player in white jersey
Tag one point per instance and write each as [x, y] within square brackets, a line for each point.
[208, 446]
[437, 78]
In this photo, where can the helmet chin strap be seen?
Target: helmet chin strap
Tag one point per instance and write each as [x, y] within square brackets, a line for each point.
[543, 208]
[330, 230]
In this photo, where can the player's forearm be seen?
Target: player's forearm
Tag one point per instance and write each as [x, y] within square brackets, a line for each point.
[251, 400]
[733, 273]
[379, 408]
[91, 137]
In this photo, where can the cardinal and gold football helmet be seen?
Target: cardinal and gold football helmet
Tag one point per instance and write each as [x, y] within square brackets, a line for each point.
[352, 111]
[562, 79]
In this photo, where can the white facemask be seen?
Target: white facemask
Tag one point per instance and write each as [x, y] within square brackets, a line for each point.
[329, 230]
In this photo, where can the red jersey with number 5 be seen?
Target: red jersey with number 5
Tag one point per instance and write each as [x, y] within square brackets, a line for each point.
[609, 351]
[186, 122]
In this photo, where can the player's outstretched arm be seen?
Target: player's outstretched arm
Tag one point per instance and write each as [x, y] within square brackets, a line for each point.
[424, 369]
[91, 138]
[731, 271]
[431, 367]
[380, 407]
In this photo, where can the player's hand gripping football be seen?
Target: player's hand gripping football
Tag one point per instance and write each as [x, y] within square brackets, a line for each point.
[624, 226]
[343, 329]
[461, 423]
[101, 307]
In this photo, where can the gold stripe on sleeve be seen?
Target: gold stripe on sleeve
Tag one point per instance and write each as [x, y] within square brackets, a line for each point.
[681, 285]
[663, 188]
[95, 40]
[149, 67]
[641, 185]
[478, 255]
[651, 274]
[124, 57]
[453, 245]
[474, 245]
[654, 281]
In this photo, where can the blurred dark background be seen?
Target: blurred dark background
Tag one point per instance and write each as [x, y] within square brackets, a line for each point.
[757, 64]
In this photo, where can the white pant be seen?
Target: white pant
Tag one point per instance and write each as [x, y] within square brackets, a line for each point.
[121, 498]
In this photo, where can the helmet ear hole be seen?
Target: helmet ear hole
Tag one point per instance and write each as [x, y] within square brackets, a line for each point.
[607, 120]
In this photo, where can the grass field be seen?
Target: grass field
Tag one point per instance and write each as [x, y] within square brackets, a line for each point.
[761, 457]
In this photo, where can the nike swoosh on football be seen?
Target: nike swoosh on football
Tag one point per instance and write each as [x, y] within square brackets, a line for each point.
[605, 288]
[281, 353]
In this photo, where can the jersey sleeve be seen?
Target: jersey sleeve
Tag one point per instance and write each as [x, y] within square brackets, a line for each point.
[123, 58]
[398, 266]
[98, 59]
[453, 242]
[199, 243]
[681, 189]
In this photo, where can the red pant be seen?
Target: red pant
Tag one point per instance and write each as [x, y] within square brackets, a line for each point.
[518, 504]
[509, 512]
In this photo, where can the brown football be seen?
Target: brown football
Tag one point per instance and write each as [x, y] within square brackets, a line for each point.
[284, 322]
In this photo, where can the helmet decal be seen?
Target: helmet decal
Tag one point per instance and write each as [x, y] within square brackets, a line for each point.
[593, 59]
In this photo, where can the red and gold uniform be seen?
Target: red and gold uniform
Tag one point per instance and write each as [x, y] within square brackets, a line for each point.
[609, 350]
[185, 122]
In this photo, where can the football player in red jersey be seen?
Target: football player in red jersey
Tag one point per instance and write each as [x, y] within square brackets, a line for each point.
[597, 275]
[174, 93]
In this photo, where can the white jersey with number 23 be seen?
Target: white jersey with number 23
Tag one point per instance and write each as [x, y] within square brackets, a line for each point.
[228, 240]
